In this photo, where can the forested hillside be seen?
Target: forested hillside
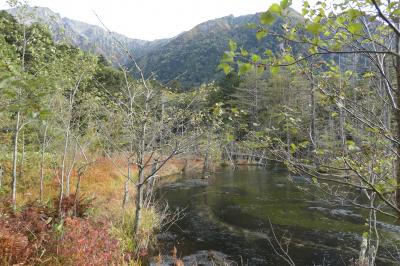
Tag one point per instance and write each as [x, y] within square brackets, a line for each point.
[192, 57]
[89, 38]
[189, 59]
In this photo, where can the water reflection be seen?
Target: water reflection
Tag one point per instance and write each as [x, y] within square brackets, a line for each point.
[230, 213]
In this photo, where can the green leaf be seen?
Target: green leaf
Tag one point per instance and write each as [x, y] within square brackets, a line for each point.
[315, 180]
[351, 145]
[368, 75]
[225, 67]
[255, 58]
[304, 144]
[372, 129]
[396, 12]
[244, 52]
[355, 28]
[230, 137]
[380, 187]
[232, 45]
[392, 6]
[267, 18]
[354, 13]
[261, 34]
[268, 52]
[275, 9]
[244, 68]
[314, 28]
[260, 69]
[293, 147]
[59, 227]
[285, 3]
[313, 50]
[289, 59]
[274, 70]
[228, 57]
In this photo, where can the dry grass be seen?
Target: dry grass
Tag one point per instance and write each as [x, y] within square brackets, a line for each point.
[104, 182]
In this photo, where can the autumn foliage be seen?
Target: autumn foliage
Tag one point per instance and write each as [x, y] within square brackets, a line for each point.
[36, 236]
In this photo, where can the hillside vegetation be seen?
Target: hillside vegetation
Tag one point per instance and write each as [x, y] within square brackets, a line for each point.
[189, 59]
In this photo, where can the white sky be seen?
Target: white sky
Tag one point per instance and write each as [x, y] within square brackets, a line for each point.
[152, 19]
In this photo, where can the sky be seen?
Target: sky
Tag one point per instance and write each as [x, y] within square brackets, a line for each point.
[152, 19]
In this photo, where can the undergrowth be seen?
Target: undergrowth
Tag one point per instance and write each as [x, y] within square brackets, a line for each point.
[122, 229]
[92, 230]
[37, 235]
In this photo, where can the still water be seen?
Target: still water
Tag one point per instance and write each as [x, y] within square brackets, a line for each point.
[235, 211]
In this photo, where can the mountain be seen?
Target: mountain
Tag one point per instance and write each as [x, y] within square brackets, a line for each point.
[88, 37]
[191, 58]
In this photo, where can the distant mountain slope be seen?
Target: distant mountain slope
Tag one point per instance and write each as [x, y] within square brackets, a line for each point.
[85, 36]
[191, 58]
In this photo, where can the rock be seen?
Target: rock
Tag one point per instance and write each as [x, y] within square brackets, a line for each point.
[166, 237]
[388, 227]
[188, 183]
[203, 257]
[339, 214]
[320, 209]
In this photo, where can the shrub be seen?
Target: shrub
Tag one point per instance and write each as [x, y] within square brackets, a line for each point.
[72, 206]
[86, 243]
[13, 246]
[24, 236]
[36, 236]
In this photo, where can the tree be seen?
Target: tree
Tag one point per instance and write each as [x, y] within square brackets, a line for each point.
[336, 33]
[26, 84]
[152, 130]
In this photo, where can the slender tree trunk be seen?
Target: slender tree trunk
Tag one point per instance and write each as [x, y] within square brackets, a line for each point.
[342, 121]
[255, 104]
[312, 115]
[206, 163]
[1, 176]
[126, 185]
[66, 141]
[397, 117]
[141, 169]
[43, 150]
[15, 161]
[21, 163]
[139, 202]
[288, 140]
[71, 168]
[342, 118]
[16, 133]
[151, 183]
[78, 187]
[228, 153]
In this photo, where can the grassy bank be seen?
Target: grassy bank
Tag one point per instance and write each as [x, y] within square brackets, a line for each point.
[93, 229]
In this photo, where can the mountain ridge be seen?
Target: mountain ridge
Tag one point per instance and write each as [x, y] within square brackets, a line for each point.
[88, 37]
[188, 59]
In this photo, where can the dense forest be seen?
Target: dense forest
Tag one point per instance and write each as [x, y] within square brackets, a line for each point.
[89, 138]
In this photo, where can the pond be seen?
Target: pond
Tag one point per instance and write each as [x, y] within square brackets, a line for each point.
[235, 213]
